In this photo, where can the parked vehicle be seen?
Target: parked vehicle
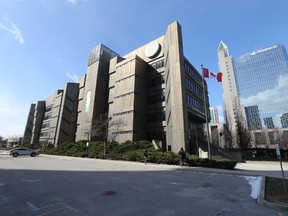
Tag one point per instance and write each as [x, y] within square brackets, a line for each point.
[20, 151]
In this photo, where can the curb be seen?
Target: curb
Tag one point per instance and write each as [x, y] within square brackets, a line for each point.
[261, 198]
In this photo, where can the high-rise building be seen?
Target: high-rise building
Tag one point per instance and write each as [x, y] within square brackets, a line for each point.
[154, 91]
[256, 79]
[214, 116]
[284, 120]
[253, 118]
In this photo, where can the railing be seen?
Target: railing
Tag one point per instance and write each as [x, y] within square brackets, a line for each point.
[215, 150]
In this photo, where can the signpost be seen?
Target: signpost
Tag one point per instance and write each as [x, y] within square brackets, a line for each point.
[275, 136]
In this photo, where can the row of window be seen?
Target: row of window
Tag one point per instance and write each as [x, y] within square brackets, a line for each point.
[123, 95]
[124, 113]
[46, 125]
[158, 64]
[124, 132]
[157, 98]
[194, 102]
[44, 134]
[156, 117]
[190, 84]
[49, 108]
[47, 117]
[192, 72]
[156, 81]
[125, 78]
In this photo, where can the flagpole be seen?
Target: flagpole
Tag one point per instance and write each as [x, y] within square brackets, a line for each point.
[206, 117]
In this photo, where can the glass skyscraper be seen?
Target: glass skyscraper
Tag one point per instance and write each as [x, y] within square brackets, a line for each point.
[256, 84]
[262, 81]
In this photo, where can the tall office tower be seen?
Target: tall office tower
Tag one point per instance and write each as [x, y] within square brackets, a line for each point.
[214, 117]
[230, 91]
[157, 93]
[54, 119]
[253, 118]
[258, 78]
[268, 121]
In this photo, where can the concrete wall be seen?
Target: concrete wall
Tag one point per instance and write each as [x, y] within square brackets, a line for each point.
[37, 122]
[29, 125]
[67, 118]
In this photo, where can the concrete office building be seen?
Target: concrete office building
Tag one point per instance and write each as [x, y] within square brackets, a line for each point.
[157, 93]
[54, 119]
[154, 91]
[256, 85]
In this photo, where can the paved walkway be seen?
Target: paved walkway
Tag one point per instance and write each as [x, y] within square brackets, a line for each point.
[251, 168]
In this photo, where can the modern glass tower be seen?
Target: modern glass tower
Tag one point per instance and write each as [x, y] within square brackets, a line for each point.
[257, 83]
[262, 80]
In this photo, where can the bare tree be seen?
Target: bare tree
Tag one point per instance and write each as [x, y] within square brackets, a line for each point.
[103, 126]
[227, 134]
[240, 137]
[243, 135]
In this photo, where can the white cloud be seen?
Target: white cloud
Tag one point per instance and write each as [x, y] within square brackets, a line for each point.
[269, 99]
[11, 27]
[273, 102]
[73, 76]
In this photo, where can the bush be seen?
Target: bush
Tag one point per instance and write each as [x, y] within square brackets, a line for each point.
[133, 151]
[205, 162]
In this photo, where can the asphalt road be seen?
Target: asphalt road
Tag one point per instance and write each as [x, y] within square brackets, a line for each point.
[66, 186]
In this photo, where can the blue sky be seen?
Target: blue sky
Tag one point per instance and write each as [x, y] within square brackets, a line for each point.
[45, 43]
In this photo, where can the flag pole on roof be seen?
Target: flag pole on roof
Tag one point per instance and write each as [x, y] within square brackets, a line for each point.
[204, 72]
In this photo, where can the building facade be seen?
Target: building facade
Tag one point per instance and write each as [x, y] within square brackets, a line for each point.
[93, 91]
[153, 91]
[214, 116]
[256, 84]
[53, 120]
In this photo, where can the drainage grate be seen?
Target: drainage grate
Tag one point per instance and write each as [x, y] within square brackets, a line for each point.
[108, 193]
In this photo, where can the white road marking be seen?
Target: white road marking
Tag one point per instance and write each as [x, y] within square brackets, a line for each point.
[57, 207]
[31, 180]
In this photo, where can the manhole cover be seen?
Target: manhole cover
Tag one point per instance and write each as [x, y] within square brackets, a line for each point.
[108, 193]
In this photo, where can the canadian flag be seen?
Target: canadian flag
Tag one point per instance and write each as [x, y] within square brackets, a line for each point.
[208, 74]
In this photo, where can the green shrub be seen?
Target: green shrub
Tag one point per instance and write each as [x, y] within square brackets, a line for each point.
[133, 151]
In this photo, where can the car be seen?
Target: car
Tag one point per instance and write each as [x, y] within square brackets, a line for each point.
[19, 151]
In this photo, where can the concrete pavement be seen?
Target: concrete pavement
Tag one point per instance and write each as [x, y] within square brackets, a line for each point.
[130, 181]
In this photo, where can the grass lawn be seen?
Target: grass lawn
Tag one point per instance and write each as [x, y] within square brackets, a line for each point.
[275, 191]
